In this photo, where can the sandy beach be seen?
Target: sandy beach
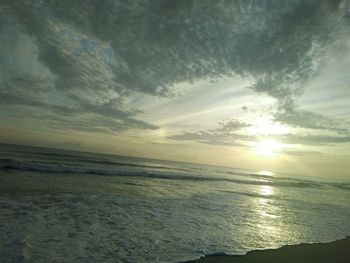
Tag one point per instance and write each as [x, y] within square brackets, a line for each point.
[334, 252]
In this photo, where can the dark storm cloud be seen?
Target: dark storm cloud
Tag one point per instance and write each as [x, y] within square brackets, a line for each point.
[96, 53]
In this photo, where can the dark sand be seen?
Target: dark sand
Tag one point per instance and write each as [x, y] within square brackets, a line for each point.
[334, 252]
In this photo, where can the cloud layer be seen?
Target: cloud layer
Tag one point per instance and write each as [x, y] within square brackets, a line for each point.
[226, 133]
[78, 61]
[232, 133]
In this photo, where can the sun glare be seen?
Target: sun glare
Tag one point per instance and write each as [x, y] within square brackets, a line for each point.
[267, 127]
[268, 148]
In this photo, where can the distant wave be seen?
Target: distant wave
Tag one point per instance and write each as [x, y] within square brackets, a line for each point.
[13, 164]
[99, 161]
[342, 186]
[76, 168]
[175, 174]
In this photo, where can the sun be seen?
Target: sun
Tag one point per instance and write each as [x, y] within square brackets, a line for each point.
[268, 148]
[266, 127]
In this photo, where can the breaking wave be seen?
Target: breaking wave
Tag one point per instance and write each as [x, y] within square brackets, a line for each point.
[107, 168]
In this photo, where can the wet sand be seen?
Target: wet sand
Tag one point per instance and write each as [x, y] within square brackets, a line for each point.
[334, 252]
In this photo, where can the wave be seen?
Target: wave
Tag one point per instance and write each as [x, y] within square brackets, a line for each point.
[36, 166]
[88, 158]
[52, 167]
[307, 246]
[159, 173]
[59, 167]
[343, 186]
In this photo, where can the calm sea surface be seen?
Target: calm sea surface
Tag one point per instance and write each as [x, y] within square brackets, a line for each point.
[64, 206]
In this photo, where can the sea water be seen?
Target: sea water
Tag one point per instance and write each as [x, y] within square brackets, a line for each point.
[65, 206]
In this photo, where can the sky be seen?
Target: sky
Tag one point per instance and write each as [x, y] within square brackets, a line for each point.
[251, 84]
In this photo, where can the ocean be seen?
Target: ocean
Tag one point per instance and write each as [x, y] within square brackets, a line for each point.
[66, 206]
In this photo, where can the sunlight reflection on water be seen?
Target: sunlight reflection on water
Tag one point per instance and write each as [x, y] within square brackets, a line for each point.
[266, 173]
[266, 190]
[268, 228]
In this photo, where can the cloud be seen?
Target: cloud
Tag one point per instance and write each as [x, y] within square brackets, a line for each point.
[230, 132]
[226, 133]
[309, 120]
[301, 152]
[314, 139]
[69, 86]
[290, 114]
[71, 143]
[89, 56]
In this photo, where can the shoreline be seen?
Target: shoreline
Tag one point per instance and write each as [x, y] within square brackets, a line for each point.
[332, 252]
